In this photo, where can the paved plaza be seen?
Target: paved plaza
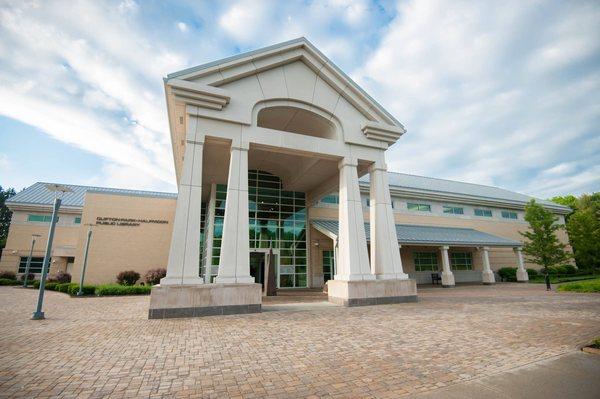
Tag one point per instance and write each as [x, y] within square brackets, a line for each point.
[97, 347]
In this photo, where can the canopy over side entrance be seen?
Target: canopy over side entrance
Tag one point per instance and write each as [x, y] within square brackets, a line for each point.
[422, 245]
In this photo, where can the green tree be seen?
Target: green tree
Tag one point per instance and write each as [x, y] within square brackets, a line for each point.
[584, 231]
[584, 234]
[542, 246]
[566, 200]
[5, 214]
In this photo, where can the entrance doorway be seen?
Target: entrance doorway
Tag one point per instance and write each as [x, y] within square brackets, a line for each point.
[257, 267]
[258, 258]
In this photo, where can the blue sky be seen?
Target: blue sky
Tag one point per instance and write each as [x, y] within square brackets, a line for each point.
[505, 93]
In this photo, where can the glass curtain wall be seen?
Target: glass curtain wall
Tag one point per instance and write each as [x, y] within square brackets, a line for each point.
[277, 220]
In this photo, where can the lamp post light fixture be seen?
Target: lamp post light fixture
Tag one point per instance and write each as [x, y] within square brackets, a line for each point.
[85, 258]
[58, 190]
[28, 264]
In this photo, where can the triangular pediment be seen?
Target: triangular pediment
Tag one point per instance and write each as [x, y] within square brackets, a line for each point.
[297, 58]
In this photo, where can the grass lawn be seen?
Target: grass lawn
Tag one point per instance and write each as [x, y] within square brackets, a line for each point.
[582, 286]
[562, 279]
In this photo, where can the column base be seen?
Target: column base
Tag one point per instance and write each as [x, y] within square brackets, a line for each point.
[354, 277]
[234, 280]
[448, 280]
[487, 277]
[522, 276]
[173, 301]
[371, 292]
[179, 281]
[392, 276]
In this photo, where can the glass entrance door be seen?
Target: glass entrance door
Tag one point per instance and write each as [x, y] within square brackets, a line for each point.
[257, 267]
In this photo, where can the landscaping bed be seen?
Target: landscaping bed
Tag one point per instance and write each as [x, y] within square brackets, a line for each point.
[97, 290]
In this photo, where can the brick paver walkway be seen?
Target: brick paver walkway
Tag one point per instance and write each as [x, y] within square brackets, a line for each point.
[96, 347]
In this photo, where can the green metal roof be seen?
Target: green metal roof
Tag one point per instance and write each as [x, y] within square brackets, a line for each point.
[38, 194]
[430, 235]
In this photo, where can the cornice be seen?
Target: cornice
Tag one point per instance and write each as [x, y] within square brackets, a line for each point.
[197, 94]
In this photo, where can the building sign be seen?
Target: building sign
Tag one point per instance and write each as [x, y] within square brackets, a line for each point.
[108, 221]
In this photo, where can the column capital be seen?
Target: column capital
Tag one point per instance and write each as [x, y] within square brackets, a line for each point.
[518, 249]
[485, 248]
[375, 166]
[444, 247]
[347, 161]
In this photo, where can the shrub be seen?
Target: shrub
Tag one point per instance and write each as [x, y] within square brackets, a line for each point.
[64, 287]
[86, 289]
[30, 277]
[51, 286]
[8, 276]
[569, 269]
[552, 271]
[532, 273]
[60, 277]
[508, 273]
[8, 281]
[36, 284]
[128, 277]
[115, 289]
[153, 276]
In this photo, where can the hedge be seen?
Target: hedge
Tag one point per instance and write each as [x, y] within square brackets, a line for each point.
[8, 281]
[86, 289]
[116, 289]
[508, 273]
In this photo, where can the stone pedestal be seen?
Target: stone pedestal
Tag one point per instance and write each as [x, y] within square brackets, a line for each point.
[371, 292]
[487, 277]
[522, 276]
[171, 301]
[448, 280]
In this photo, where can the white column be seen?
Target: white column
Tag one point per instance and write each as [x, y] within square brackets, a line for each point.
[183, 266]
[209, 229]
[522, 275]
[487, 275]
[352, 242]
[385, 252]
[447, 276]
[234, 264]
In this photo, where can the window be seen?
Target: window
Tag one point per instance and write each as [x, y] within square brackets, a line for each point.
[327, 265]
[455, 210]
[77, 220]
[461, 261]
[331, 199]
[425, 261]
[368, 202]
[483, 212]
[40, 218]
[509, 215]
[34, 267]
[418, 207]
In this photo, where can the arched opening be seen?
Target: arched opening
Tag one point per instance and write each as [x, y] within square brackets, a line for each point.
[296, 120]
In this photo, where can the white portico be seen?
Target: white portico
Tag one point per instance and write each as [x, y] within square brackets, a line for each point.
[289, 112]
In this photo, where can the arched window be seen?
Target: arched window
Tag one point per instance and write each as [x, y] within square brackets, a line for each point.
[296, 120]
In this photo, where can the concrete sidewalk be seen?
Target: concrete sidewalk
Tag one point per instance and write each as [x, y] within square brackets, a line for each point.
[573, 375]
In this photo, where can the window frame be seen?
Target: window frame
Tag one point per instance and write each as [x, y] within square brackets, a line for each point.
[451, 210]
[483, 212]
[506, 214]
[432, 255]
[467, 257]
[418, 207]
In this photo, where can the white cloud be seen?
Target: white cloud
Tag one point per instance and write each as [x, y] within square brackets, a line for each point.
[4, 163]
[182, 26]
[460, 77]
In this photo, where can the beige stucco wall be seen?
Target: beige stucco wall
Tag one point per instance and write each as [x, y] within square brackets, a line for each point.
[18, 242]
[499, 257]
[117, 248]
